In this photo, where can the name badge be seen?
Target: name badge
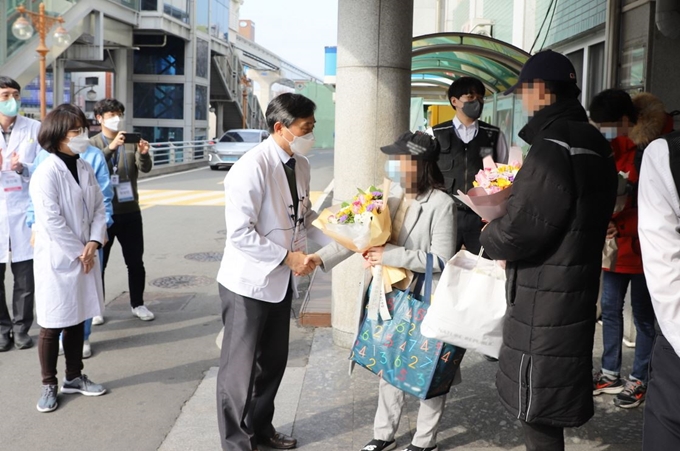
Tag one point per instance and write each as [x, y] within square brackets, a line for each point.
[11, 181]
[300, 239]
[115, 180]
[124, 192]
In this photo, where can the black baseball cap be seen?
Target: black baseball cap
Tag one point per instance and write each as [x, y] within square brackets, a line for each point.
[418, 145]
[547, 66]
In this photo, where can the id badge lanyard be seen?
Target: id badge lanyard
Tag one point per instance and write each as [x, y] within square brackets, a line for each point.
[123, 190]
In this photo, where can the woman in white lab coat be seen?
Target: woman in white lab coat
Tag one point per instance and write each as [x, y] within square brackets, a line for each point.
[70, 225]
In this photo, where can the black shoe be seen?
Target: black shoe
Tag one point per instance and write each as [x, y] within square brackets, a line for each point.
[379, 445]
[5, 342]
[278, 441]
[22, 340]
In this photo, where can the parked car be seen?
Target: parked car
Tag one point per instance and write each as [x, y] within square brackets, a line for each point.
[232, 145]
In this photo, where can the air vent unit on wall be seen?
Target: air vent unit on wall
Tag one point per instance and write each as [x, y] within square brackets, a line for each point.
[483, 27]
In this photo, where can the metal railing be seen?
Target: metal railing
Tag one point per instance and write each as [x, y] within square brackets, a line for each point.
[179, 152]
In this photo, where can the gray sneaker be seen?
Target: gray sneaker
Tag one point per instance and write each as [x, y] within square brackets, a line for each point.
[82, 385]
[48, 399]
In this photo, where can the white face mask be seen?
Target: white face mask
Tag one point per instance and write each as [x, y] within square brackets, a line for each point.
[79, 144]
[112, 123]
[301, 144]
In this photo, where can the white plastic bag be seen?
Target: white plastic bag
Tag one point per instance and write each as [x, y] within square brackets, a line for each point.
[468, 305]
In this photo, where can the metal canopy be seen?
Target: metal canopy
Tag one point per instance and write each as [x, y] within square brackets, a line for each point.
[438, 59]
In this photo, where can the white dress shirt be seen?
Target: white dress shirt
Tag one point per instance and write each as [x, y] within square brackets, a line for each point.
[659, 229]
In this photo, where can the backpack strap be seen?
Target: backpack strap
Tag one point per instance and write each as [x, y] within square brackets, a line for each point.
[673, 140]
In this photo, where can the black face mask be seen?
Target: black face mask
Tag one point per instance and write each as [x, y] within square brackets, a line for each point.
[473, 109]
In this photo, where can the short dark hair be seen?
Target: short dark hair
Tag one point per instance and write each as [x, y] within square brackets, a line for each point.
[611, 105]
[108, 106]
[6, 82]
[429, 176]
[466, 85]
[287, 108]
[562, 90]
[57, 124]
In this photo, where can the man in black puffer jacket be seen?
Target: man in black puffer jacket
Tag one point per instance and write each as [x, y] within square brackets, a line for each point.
[552, 238]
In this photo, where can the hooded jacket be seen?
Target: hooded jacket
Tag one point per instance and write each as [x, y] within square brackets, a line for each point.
[629, 257]
[652, 122]
[552, 237]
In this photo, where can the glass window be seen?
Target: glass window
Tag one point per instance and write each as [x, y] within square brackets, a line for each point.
[632, 70]
[241, 136]
[149, 5]
[167, 59]
[577, 60]
[201, 103]
[219, 18]
[177, 9]
[158, 100]
[202, 57]
[202, 15]
[595, 71]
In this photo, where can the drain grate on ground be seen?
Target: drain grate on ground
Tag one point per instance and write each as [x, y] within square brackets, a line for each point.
[181, 281]
[205, 257]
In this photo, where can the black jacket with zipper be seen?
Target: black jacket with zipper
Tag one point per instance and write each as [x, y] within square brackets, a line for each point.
[552, 238]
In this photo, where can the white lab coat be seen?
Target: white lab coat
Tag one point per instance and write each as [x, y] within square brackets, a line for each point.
[260, 229]
[67, 216]
[13, 204]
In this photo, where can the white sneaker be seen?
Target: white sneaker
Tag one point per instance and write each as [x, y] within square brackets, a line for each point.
[143, 313]
[98, 320]
[87, 349]
[61, 348]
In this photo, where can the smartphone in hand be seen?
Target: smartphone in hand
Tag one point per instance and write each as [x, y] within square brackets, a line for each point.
[132, 138]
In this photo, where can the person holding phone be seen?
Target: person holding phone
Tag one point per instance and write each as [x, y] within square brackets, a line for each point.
[127, 154]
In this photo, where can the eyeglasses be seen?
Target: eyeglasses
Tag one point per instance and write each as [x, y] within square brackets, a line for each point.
[78, 131]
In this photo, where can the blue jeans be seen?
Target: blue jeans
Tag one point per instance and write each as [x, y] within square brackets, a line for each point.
[614, 286]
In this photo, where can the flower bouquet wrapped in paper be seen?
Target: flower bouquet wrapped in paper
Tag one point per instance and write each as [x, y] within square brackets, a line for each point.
[492, 187]
[358, 225]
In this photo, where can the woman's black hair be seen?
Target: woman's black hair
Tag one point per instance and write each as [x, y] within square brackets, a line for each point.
[429, 177]
[58, 123]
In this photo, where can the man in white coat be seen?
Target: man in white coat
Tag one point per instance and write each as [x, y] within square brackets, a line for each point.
[268, 215]
[658, 224]
[18, 148]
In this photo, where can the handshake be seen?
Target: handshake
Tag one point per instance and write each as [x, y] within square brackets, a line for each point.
[302, 264]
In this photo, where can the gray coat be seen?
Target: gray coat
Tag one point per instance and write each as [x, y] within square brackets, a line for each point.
[429, 226]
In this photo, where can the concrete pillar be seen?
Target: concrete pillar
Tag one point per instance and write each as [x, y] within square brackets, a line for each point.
[58, 82]
[372, 110]
[219, 119]
[122, 79]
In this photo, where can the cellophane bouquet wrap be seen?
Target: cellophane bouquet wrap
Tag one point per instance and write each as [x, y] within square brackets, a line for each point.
[492, 188]
[359, 224]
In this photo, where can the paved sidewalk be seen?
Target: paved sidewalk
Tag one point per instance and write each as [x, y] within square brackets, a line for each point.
[326, 409]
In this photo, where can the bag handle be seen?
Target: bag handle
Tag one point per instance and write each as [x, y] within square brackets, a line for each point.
[426, 279]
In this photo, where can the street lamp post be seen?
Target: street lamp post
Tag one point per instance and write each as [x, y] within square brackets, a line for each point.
[23, 30]
[246, 89]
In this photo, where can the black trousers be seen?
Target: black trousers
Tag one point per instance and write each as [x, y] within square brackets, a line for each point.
[540, 437]
[48, 352]
[661, 427]
[252, 363]
[468, 228]
[22, 298]
[129, 230]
